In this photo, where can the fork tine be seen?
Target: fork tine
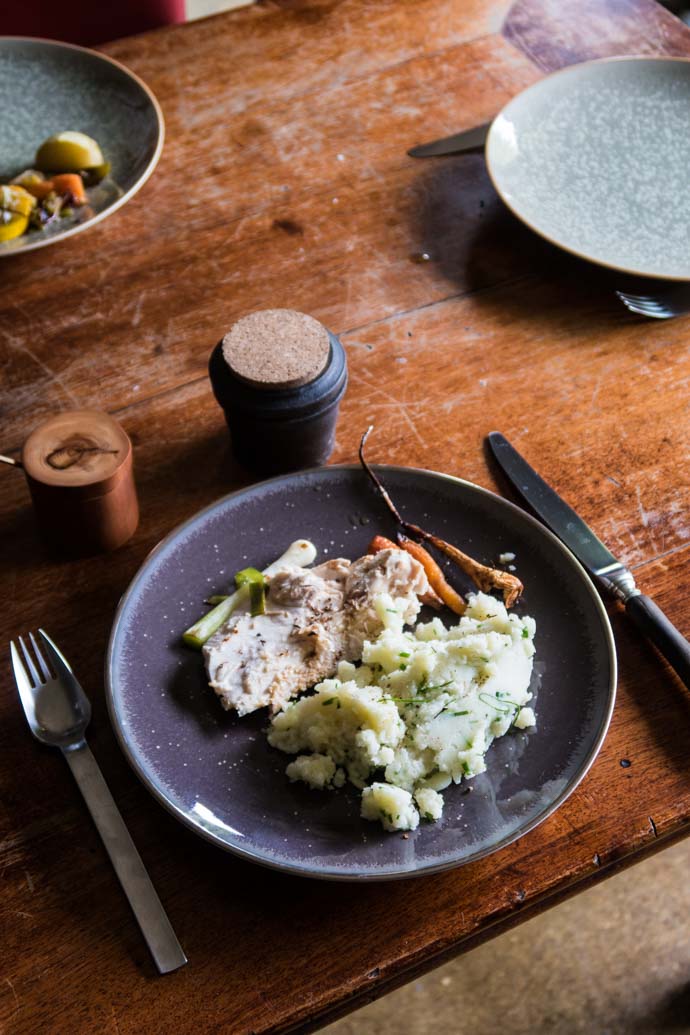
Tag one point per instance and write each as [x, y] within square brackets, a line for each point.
[58, 660]
[29, 663]
[654, 314]
[22, 680]
[47, 674]
[649, 314]
[19, 671]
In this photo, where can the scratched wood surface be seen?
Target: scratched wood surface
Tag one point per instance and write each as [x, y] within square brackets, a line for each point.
[290, 122]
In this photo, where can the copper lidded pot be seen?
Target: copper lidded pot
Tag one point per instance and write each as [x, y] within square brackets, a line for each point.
[78, 465]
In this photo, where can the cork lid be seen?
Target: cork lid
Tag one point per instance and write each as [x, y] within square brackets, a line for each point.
[276, 348]
[82, 450]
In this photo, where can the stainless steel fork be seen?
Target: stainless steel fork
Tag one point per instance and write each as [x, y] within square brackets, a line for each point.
[58, 712]
[662, 304]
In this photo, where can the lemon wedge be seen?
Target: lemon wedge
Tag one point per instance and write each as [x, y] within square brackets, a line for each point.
[12, 225]
[68, 152]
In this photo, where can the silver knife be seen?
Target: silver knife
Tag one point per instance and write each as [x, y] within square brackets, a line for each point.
[468, 140]
[591, 552]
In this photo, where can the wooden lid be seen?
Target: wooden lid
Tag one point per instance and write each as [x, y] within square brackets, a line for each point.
[84, 451]
[276, 348]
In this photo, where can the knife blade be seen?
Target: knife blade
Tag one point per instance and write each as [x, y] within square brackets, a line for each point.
[610, 572]
[468, 140]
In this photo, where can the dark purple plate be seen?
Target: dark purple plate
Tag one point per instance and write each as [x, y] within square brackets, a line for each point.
[218, 774]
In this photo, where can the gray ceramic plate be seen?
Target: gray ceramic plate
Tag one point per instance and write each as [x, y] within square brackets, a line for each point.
[48, 87]
[218, 774]
[595, 158]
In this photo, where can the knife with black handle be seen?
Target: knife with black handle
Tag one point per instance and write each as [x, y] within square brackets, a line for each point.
[591, 552]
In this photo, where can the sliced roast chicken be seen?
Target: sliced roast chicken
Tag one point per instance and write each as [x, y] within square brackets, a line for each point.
[315, 618]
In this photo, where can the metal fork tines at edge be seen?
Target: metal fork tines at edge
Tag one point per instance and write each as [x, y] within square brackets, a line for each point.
[662, 303]
[58, 712]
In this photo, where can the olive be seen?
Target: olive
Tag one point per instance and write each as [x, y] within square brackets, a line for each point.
[68, 152]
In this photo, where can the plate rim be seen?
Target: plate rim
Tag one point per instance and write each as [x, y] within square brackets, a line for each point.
[137, 185]
[570, 70]
[295, 869]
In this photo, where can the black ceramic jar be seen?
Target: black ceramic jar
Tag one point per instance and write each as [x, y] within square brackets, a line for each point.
[279, 376]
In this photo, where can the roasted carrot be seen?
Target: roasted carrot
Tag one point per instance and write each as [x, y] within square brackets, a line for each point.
[437, 579]
[379, 542]
[72, 184]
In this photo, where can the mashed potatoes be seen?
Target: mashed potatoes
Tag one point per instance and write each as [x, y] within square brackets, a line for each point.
[421, 710]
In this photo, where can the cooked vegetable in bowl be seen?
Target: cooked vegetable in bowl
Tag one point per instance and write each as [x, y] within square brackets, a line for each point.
[66, 165]
[68, 152]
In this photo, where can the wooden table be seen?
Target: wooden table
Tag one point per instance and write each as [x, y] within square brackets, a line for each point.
[284, 182]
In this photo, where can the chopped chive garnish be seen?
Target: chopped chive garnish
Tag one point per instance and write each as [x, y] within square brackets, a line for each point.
[404, 654]
[500, 706]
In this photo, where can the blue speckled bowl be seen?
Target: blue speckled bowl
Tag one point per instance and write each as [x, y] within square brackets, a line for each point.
[218, 774]
[48, 87]
[595, 158]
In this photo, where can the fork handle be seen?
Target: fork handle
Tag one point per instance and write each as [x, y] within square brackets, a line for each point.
[136, 883]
